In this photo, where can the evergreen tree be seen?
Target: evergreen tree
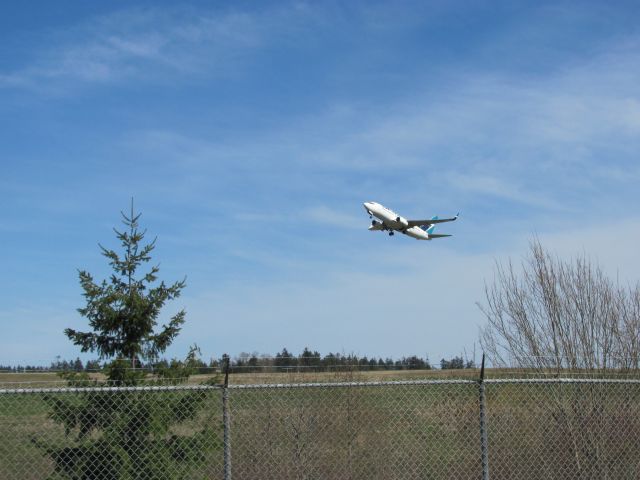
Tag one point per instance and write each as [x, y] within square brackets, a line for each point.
[253, 363]
[123, 311]
[308, 358]
[452, 364]
[92, 365]
[130, 434]
[77, 365]
[284, 359]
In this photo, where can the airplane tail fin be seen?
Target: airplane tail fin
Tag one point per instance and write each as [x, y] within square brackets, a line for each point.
[429, 228]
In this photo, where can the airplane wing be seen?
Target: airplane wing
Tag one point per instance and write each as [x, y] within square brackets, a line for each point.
[433, 221]
[438, 235]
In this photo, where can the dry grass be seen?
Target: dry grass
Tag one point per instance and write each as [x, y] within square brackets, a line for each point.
[44, 379]
[295, 375]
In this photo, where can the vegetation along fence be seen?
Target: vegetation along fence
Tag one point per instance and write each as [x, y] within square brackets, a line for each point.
[556, 428]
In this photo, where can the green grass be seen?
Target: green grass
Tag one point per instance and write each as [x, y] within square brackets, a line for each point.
[28, 430]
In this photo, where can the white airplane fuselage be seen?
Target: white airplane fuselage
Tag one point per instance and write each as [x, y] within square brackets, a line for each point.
[391, 221]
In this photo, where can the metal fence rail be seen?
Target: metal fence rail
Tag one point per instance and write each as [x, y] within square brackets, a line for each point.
[558, 428]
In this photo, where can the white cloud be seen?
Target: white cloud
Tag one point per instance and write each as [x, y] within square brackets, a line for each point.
[542, 142]
[329, 217]
[548, 144]
[612, 241]
[479, 184]
[138, 44]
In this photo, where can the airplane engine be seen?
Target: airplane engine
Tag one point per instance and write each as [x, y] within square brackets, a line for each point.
[402, 221]
[374, 223]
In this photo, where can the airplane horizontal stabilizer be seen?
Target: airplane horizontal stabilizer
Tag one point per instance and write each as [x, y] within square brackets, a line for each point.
[438, 235]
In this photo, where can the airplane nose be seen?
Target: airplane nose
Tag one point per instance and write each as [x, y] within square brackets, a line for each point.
[367, 206]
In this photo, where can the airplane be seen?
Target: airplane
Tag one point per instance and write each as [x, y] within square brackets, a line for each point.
[389, 221]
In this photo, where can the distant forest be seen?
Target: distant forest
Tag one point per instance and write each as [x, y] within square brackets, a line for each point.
[253, 362]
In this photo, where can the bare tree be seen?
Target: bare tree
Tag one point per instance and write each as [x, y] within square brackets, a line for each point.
[558, 314]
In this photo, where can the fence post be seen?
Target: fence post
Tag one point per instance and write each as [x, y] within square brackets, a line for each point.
[484, 444]
[226, 420]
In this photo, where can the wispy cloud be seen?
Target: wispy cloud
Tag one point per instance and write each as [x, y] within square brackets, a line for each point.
[322, 215]
[386, 301]
[540, 142]
[390, 300]
[140, 44]
[393, 313]
[329, 217]
[609, 240]
[477, 184]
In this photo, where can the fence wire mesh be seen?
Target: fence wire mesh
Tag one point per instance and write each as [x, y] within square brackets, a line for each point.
[355, 431]
[571, 429]
[540, 428]
[111, 433]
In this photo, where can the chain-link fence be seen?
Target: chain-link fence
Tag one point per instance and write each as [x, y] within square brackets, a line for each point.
[431, 429]
[564, 429]
[160, 432]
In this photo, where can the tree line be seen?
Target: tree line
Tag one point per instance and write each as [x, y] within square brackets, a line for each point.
[314, 361]
[310, 360]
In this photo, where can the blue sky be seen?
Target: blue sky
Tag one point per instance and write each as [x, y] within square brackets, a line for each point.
[251, 133]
